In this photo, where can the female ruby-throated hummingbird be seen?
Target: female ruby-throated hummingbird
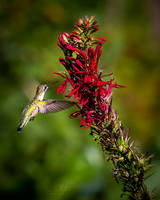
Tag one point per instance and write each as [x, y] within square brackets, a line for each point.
[38, 105]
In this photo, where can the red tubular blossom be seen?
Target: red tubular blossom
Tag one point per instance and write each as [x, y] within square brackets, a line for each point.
[62, 61]
[74, 67]
[61, 89]
[81, 61]
[59, 74]
[75, 32]
[73, 91]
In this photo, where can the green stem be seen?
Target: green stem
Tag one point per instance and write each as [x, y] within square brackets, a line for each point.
[129, 166]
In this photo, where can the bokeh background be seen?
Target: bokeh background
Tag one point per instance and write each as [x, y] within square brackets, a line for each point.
[53, 158]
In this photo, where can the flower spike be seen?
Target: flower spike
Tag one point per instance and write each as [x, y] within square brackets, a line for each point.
[93, 92]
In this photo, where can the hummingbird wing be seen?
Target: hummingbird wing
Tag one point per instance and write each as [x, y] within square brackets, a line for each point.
[53, 106]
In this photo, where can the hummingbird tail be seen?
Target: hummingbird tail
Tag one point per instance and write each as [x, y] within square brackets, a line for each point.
[19, 129]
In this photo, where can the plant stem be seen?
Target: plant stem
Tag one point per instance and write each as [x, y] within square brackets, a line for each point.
[129, 166]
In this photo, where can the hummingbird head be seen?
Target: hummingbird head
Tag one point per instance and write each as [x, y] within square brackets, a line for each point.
[41, 89]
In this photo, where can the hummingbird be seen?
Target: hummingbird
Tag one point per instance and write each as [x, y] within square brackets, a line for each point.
[39, 105]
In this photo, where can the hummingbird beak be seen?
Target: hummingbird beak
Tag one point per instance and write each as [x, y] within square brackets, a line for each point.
[48, 85]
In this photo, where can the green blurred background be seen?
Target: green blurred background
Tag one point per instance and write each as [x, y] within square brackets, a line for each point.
[54, 158]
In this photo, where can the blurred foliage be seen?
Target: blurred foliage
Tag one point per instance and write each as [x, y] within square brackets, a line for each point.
[54, 158]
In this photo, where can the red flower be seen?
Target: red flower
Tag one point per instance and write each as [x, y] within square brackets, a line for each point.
[81, 61]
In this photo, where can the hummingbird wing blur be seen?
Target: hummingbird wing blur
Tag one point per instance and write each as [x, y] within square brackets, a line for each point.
[53, 106]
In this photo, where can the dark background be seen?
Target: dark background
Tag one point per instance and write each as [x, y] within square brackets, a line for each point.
[54, 158]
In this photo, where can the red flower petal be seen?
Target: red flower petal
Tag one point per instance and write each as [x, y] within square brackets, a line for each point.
[79, 63]
[59, 74]
[74, 67]
[73, 91]
[85, 127]
[107, 75]
[75, 32]
[62, 88]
